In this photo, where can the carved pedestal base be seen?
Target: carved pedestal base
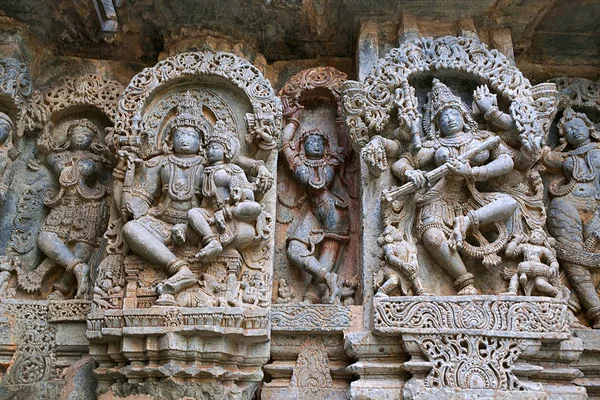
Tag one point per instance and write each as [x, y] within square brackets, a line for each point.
[479, 346]
[171, 352]
[308, 360]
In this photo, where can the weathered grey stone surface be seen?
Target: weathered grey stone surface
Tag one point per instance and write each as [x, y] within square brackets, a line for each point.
[316, 199]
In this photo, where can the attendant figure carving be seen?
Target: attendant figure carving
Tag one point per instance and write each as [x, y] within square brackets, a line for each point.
[573, 212]
[399, 263]
[316, 244]
[78, 215]
[539, 268]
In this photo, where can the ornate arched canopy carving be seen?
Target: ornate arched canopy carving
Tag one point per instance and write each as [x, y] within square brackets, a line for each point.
[368, 104]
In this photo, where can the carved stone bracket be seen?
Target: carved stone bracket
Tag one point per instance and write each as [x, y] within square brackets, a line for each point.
[472, 342]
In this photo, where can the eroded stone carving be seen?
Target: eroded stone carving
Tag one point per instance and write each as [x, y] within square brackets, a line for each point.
[78, 215]
[189, 240]
[572, 213]
[204, 200]
[317, 151]
[312, 367]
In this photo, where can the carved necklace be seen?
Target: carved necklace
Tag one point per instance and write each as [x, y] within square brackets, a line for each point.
[185, 162]
[182, 189]
[317, 167]
[583, 167]
[457, 140]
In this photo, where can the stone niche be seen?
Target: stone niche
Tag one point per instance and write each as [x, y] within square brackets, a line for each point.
[182, 298]
[453, 144]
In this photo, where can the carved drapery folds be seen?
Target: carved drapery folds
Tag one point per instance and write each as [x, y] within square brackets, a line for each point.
[463, 212]
[190, 240]
[316, 194]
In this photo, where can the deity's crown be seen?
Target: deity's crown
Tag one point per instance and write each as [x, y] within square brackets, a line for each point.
[440, 98]
[189, 113]
[313, 132]
[223, 135]
[569, 114]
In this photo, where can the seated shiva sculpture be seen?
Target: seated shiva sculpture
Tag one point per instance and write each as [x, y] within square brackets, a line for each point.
[316, 244]
[452, 207]
[229, 213]
[171, 186]
[574, 211]
[78, 215]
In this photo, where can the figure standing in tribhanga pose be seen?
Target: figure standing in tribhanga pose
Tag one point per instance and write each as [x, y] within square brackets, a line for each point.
[172, 185]
[452, 207]
[574, 212]
[316, 243]
[78, 215]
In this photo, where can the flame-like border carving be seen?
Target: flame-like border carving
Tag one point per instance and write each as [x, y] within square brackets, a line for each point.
[577, 92]
[313, 78]
[266, 106]
[368, 104]
[84, 90]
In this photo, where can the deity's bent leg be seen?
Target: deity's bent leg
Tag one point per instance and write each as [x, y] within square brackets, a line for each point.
[74, 262]
[498, 210]
[302, 257]
[566, 226]
[211, 246]
[437, 245]
[145, 243]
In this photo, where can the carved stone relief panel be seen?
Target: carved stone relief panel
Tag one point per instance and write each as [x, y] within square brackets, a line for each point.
[572, 191]
[62, 210]
[317, 195]
[462, 206]
[190, 239]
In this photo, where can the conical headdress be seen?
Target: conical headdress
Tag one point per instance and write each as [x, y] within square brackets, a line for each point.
[189, 113]
[440, 98]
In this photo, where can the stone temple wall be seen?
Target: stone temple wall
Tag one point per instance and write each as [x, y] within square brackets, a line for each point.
[414, 220]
